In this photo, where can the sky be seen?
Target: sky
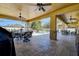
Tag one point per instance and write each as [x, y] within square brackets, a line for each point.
[45, 20]
[4, 22]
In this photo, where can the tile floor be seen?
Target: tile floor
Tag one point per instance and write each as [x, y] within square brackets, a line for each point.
[41, 45]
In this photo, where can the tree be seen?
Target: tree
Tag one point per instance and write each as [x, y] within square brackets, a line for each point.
[47, 25]
[36, 25]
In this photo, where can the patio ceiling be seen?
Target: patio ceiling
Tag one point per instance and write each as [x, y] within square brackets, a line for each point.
[67, 21]
[28, 10]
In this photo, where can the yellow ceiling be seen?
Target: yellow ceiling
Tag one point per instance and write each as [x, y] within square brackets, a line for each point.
[28, 10]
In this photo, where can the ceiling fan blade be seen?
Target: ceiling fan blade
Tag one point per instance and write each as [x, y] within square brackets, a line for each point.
[35, 4]
[71, 18]
[44, 4]
[43, 9]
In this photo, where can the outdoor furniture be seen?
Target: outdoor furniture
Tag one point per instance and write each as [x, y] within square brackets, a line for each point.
[26, 35]
[65, 32]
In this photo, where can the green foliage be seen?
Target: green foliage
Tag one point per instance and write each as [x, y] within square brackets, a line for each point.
[36, 25]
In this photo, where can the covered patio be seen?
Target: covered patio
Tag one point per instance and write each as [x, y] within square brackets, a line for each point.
[51, 43]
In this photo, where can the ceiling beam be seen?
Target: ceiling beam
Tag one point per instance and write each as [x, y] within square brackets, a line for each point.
[11, 17]
[62, 18]
[8, 16]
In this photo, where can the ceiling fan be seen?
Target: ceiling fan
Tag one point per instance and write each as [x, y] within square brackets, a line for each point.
[72, 19]
[41, 6]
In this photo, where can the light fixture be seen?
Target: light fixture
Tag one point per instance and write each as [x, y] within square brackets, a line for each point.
[20, 16]
[21, 19]
[72, 19]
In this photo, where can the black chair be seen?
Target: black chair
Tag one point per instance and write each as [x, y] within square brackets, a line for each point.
[27, 35]
[6, 43]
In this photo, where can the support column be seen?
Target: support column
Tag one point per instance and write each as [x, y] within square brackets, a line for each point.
[53, 32]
